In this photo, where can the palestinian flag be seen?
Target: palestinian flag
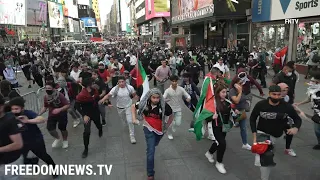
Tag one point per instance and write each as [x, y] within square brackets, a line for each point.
[283, 54]
[206, 106]
[142, 79]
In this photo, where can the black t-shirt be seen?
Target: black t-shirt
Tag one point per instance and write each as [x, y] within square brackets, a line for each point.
[30, 132]
[155, 112]
[8, 127]
[101, 85]
[85, 75]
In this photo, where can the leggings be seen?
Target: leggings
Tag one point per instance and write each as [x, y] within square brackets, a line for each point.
[222, 144]
[87, 129]
[39, 149]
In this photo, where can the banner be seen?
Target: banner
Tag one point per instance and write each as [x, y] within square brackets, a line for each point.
[37, 12]
[157, 8]
[186, 10]
[55, 15]
[89, 22]
[13, 12]
[271, 10]
[84, 2]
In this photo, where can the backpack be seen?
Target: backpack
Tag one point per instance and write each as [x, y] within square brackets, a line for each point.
[315, 57]
[117, 90]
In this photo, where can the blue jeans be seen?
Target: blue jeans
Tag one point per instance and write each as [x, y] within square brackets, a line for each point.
[152, 140]
[243, 131]
[317, 131]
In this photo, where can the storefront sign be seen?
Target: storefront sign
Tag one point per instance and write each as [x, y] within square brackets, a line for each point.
[13, 13]
[55, 15]
[37, 12]
[269, 10]
[157, 8]
[183, 10]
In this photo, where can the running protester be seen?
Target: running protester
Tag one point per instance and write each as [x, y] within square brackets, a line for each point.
[192, 89]
[32, 137]
[88, 101]
[173, 95]
[273, 116]
[123, 93]
[99, 85]
[58, 106]
[153, 110]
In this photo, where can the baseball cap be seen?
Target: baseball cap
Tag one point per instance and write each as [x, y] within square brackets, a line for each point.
[274, 88]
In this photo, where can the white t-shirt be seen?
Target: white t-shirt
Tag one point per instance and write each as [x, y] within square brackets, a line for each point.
[133, 60]
[123, 97]
[222, 67]
[75, 75]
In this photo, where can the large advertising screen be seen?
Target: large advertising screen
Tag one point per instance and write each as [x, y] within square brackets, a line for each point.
[36, 12]
[13, 12]
[55, 15]
[89, 22]
[157, 8]
[186, 10]
[72, 8]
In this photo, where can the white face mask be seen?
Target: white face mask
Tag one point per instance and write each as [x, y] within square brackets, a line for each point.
[286, 98]
[289, 74]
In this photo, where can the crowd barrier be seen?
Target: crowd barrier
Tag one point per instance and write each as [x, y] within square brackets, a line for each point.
[34, 100]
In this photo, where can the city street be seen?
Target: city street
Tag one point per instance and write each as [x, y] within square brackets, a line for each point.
[183, 157]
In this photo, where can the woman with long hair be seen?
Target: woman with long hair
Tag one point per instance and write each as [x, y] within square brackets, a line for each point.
[219, 120]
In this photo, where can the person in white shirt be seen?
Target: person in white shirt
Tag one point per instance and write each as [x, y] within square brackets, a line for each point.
[173, 95]
[133, 60]
[75, 73]
[123, 93]
[224, 68]
[172, 63]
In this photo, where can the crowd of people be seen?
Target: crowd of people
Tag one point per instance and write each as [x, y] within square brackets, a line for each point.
[82, 81]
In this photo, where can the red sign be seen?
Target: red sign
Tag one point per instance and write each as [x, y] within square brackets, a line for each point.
[96, 39]
[9, 31]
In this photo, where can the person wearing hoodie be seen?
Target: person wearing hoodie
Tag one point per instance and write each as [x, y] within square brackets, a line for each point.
[88, 106]
[310, 63]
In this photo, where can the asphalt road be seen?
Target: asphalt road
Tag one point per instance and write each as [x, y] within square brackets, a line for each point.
[183, 157]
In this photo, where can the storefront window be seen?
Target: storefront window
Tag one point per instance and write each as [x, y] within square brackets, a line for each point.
[308, 37]
[271, 37]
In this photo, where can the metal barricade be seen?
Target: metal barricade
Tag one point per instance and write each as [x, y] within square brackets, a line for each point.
[34, 100]
[31, 103]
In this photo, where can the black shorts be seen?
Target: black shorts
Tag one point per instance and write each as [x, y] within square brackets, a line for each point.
[61, 120]
[27, 73]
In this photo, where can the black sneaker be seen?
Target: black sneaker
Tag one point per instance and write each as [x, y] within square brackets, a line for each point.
[316, 147]
[85, 153]
[104, 123]
[29, 86]
[100, 133]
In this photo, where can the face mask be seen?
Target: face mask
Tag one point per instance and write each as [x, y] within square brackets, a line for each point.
[274, 100]
[49, 92]
[9, 66]
[286, 98]
[17, 114]
[289, 74]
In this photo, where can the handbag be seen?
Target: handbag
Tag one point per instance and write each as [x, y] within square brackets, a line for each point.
[225, 127]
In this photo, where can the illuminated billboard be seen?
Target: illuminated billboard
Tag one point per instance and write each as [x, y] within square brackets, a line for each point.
[157, 8]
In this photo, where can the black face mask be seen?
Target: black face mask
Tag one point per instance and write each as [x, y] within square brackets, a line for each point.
[49, 92]
[101, 70]
[17, 114]
[275, 101]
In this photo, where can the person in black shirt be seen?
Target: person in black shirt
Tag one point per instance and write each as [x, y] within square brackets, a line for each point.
[273, 116]
[194, 70]
[87, 100]
[99, 85]
[11, 142]
[85, 74]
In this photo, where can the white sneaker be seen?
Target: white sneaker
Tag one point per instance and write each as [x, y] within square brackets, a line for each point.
[220, 168]
[133, 140]
[170, 136]
[56, 143]
[211, 138]
[209, 156]
[65, 144]
[290, 152]
[247, 147]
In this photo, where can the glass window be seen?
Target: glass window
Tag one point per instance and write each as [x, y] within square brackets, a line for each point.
[243, 28]
[271, 37]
